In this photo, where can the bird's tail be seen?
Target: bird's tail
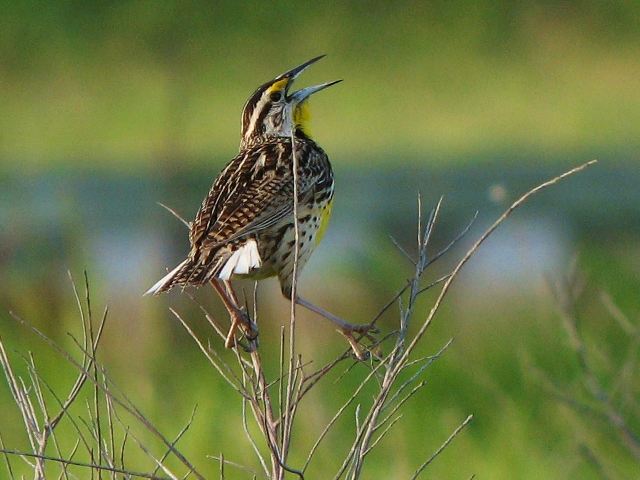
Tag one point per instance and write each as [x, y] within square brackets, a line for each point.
[231, 260]
[177, 276]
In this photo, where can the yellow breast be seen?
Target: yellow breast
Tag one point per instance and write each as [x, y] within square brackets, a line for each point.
[325, 215]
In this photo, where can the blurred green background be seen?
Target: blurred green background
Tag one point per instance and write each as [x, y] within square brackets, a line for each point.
[109, 107]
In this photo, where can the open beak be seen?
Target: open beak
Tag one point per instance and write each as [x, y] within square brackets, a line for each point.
[304, 93]
[294, 72]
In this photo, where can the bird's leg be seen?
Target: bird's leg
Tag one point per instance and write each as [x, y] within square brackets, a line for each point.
[238, 317]
[347, 329]
[234, 312]
[249, 326]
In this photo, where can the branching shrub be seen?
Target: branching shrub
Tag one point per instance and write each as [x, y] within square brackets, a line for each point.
[110, 425]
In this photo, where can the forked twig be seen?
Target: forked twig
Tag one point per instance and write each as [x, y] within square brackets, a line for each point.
[518, 203]
[273, 402]
[405, 346]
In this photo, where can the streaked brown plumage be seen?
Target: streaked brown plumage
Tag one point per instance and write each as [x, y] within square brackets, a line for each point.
[251, 200]
[245, 226]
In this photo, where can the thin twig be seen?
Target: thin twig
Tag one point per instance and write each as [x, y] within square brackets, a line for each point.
[402, 250]
[82, 464]
[205, 351]
[339, 413]
[239, 466]
[442, 447]
[178, 437]
[175, 214]
[287, 418]
[125, 403]
[518, 203]
[6, 458]
[253, 443]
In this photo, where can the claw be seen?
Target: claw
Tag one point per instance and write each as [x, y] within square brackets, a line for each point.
[250, 330]
[355, 347]
[365, 330]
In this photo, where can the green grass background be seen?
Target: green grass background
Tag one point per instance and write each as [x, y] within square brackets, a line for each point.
[127, 91]
[130, 81]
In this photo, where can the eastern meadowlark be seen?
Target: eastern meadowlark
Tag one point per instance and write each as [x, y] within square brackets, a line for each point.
[245, 226]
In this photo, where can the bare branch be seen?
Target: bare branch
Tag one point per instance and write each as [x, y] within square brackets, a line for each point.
[82, 464]
[205, 351]
[518, 203]
[442, 447]
[402, 250]
[125, 403]
[223, 460]
[178, 437]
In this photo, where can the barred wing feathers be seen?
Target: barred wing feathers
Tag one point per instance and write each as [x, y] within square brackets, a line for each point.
[253, 192]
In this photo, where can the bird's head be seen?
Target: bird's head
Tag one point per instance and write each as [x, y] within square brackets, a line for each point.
[274, 111]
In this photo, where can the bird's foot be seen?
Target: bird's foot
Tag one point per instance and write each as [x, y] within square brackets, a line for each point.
[366, 330]
[240, 320]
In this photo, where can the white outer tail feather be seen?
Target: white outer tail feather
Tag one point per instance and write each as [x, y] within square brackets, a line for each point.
[160, 284]
[241, 261]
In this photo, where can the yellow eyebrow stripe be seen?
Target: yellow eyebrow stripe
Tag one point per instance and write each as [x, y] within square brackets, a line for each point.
[278, 86]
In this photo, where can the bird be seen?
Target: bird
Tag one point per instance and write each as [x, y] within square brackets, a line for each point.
[245, 227]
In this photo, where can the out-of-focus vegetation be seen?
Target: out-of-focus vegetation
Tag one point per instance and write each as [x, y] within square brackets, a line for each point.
[107, 108]
[131, 82]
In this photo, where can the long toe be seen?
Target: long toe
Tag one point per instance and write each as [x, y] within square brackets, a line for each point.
[356, 347]
[363, 329]
[230, 341]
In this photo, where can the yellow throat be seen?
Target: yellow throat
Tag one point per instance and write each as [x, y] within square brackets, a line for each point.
[302, 116]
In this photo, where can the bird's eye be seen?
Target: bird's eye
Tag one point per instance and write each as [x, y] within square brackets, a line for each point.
[275, 97]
